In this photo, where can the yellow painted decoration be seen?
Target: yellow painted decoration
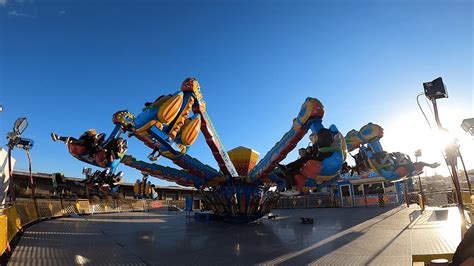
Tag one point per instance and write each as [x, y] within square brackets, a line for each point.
[159, 125]
[192, 85]
[146, 126]
[123, 117]
[170, 108]
[3, 233]
[340, 143]
[180, 120]
[311, 108]
[371, 132]
[13, 222]
[244, 159]
[344, 147]
[322, 178]
[191, 130]
[353, 141]
[307, 189]
[307, 114]
[168, 154]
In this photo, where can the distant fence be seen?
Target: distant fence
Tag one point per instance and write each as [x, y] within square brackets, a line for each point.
[444, 198]
[328, 201]
[307, 201]
[26, 211]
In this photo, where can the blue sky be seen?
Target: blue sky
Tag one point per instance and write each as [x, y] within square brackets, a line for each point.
[69, 65]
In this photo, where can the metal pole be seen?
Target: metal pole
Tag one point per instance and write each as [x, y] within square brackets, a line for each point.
[451, 158]
[11, 189]
[32, 185]
[407, 201]
[419, 182]
[465, 172]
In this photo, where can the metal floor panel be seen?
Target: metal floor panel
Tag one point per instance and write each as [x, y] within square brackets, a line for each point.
[349, 236]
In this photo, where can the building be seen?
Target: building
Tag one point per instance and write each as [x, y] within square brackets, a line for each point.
[355, 191]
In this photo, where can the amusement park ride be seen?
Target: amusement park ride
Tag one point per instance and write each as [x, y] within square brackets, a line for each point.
[241, 189]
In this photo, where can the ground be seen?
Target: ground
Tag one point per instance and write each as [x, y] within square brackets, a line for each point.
[343, 236]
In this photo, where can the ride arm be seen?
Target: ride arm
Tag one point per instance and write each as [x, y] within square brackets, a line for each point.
[115, 134]
[191, 85]
[216, 146]
[310, 116]
[195, 167]
[180, 177]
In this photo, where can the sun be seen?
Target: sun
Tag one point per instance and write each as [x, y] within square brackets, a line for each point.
[409, 132]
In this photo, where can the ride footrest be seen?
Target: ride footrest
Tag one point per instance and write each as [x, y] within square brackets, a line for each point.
[307, 220]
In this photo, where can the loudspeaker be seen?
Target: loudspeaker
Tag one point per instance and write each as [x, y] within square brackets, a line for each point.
[435, 89]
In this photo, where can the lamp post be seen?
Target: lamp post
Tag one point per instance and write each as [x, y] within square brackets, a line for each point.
[468, 125]
[15, 140]
[434, 90]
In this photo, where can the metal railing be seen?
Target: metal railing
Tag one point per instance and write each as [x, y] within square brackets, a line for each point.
[26, 211]
[307, 201]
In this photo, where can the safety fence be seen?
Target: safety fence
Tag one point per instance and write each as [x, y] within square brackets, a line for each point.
[319, 201]
[440, 198]
[328, 201]
[444, 198]
[27, 211]
[411, 198]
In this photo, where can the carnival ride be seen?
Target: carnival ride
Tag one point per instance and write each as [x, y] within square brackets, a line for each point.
[102, 183]
[372, 157]
[241, 188]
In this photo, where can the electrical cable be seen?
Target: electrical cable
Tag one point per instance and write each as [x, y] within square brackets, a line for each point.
[429, 124]
[421, 109]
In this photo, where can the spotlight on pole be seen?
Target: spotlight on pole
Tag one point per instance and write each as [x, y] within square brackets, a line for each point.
[418, 153]
[435, 89]
[468, 125]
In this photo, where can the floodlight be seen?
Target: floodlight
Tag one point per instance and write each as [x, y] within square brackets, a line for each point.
[468, 125]
[435, 89]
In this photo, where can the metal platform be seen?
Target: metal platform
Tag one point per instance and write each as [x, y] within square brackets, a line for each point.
[350, 236]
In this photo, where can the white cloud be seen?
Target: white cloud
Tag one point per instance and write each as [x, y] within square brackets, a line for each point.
[61, 12]
[3, 3]
[14, 13]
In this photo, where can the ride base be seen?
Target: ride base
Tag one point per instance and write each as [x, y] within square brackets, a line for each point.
[238, 203]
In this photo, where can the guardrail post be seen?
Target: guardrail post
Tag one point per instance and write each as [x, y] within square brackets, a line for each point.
[422, 202]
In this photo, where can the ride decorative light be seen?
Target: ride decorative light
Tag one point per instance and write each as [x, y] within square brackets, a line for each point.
[468, 125]
[435, 89]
